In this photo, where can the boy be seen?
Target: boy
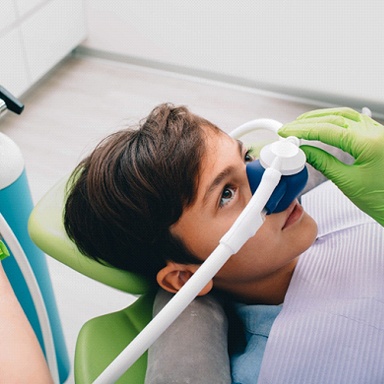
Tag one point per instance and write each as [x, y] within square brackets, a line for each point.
[157, 200]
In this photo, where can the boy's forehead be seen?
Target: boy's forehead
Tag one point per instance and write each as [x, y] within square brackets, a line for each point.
[220, 151]
[214, 140]
[214, 135]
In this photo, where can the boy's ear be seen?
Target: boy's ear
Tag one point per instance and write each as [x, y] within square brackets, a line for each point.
[174, 275]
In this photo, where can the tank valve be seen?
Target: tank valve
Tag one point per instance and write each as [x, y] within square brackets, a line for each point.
[8, 101]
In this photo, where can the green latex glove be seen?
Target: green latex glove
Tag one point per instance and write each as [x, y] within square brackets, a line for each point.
[355, 133]
[3, 251]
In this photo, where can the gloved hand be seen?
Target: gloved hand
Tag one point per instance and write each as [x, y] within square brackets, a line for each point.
[355, 133]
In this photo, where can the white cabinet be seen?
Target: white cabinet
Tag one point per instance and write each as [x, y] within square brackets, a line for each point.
[7, 14]
[25, 6]
[34, 36]
[51, 33]
[13, 71]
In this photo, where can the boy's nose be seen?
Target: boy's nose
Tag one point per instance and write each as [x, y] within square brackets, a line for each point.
[286, 191]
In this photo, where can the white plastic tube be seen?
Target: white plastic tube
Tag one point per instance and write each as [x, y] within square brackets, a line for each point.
[250, 126]
[246, 225]
[34, 289]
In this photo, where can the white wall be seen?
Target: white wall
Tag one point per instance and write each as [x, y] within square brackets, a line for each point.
[34, 36]
[331, 50]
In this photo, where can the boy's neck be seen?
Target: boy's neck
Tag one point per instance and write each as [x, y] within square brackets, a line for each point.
[271, 290]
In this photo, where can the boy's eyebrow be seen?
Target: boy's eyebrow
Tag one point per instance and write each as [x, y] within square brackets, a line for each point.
[221, 176]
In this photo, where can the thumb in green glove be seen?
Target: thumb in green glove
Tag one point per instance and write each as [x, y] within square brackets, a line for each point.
[355, 133]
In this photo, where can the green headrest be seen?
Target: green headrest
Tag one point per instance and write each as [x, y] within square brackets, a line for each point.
[47, 231]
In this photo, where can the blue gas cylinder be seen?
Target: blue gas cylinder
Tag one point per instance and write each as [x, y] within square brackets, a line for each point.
[16, 206]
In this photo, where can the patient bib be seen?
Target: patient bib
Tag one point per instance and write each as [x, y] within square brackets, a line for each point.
[331, 327]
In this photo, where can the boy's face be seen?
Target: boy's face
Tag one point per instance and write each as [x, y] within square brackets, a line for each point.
[223, 192]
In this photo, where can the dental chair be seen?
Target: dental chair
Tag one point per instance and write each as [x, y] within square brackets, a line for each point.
[102, 338]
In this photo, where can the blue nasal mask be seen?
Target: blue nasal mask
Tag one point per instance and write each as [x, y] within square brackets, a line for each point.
[286, 191]
[286, 156]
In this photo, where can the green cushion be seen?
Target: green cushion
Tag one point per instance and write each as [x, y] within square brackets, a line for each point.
[103, 338]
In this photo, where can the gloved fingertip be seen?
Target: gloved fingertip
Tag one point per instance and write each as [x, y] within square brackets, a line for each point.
[289, 129]
[282, 131]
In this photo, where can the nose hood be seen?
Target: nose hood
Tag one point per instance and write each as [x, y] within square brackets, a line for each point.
[286, 191]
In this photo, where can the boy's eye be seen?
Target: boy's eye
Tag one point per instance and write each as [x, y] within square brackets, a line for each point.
[248, 157]
[227, 195]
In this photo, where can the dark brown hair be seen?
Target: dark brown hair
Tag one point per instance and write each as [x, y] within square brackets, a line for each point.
[126, 194]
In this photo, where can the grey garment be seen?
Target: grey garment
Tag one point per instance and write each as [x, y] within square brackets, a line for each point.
[194, 348]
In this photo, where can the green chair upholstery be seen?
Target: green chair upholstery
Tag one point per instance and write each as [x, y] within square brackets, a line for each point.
[101, 339]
